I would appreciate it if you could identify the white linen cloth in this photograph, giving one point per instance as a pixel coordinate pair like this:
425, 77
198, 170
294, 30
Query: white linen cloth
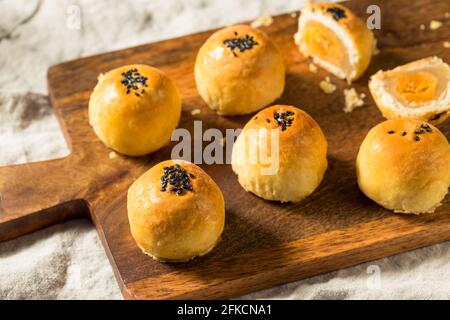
67, 261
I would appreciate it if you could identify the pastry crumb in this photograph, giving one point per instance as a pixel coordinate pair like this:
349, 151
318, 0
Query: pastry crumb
263, 21
113, 155
446, 44
312, 68
353, 100
297, 38
294, 15
435, 24
327, 86
195, 112
422, 27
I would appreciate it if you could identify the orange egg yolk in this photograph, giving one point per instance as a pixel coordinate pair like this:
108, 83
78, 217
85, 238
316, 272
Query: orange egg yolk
417, 87
323, 43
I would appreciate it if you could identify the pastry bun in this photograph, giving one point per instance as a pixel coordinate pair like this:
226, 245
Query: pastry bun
134, 109
239, 70
404, 165
281, 154
176, 211
336, 39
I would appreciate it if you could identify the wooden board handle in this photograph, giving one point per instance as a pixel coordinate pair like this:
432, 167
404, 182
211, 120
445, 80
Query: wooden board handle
36, 195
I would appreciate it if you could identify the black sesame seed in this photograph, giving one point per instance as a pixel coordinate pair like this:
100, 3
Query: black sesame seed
423, 128
391, 132
426, 127
133, 80
417, 138
337, 13
178, 178
404, 133
268, 120
284, 119
242, 44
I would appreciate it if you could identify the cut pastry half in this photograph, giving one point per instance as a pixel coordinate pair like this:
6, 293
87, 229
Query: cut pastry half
418, 90
335, 39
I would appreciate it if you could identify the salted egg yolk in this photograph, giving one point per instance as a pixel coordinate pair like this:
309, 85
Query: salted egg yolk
324, 44
416, 87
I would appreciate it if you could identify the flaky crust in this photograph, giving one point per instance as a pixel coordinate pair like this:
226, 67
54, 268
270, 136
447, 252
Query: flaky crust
130, 124
242, 82
401, 172
302, 156
361, 37
175, 228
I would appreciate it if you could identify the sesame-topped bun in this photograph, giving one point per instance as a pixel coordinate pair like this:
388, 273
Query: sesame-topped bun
281, 154
176, 211
336, 39
404, 165
239, 70
134, 109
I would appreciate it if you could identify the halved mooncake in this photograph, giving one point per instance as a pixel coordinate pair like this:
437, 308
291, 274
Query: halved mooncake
336, 39
419, 90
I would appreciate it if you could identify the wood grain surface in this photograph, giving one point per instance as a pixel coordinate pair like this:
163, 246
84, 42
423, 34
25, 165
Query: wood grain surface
264, 243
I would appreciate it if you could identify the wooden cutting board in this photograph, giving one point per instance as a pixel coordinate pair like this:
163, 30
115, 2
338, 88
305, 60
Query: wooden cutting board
264, 243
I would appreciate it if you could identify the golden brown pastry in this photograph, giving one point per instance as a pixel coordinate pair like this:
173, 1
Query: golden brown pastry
419, 90
239, 70
176, 211
404, 165
281, 154
336, 39
134, 109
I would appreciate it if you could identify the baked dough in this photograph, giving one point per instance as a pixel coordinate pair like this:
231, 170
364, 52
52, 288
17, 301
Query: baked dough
134, 109
176, 211
336, 39
280, 154
404, 165
239, 70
